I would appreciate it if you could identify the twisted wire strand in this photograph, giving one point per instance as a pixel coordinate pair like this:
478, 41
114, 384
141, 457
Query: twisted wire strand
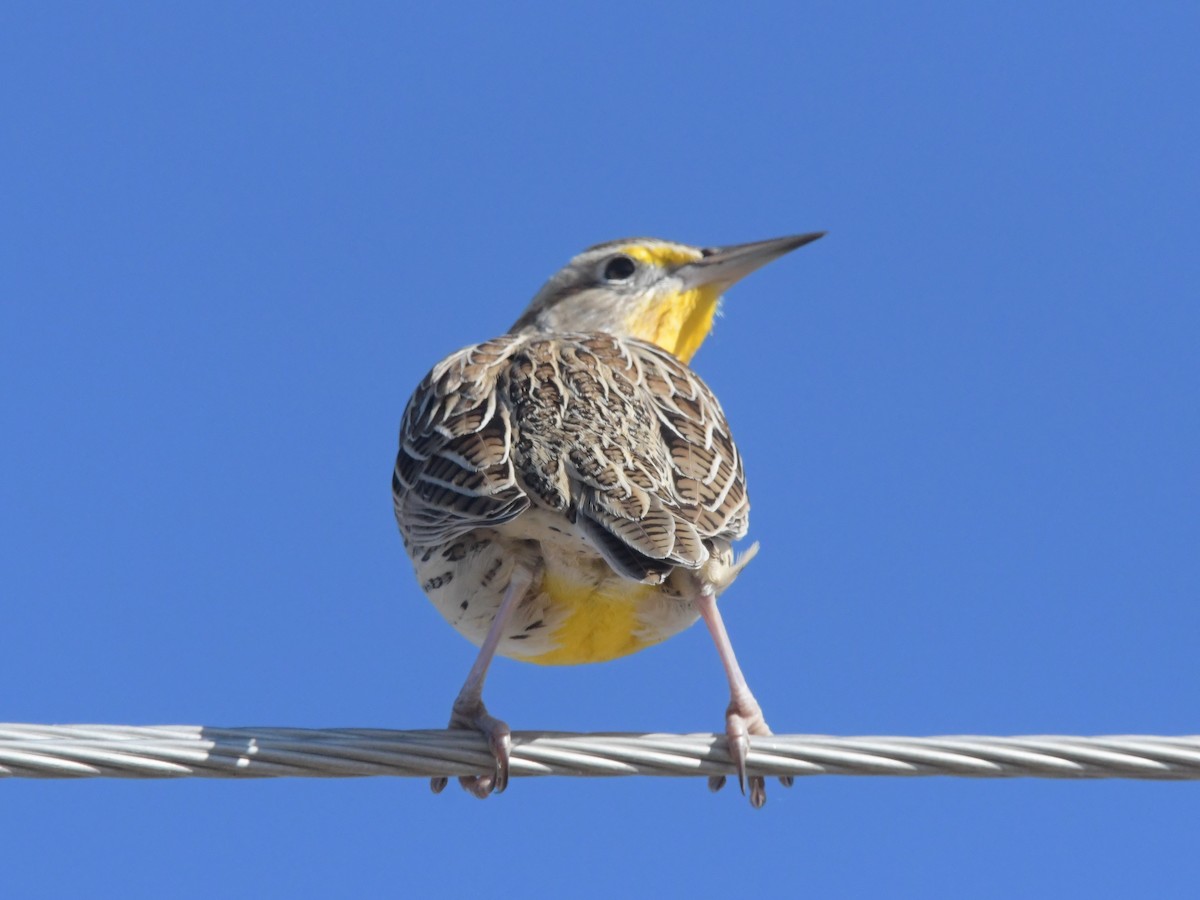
180, 751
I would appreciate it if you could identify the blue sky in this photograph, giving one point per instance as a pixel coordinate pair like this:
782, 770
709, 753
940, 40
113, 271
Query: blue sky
232, 240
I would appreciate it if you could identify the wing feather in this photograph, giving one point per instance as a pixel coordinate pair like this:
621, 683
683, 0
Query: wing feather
616, 435
454, 471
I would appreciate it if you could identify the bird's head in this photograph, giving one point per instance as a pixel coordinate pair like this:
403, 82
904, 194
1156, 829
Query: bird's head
657, 291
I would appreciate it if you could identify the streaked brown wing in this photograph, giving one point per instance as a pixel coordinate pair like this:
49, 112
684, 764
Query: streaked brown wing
707, 471
618, 437
628, 443
455, 470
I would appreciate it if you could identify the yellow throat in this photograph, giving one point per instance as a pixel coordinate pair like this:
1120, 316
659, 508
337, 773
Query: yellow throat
678, 322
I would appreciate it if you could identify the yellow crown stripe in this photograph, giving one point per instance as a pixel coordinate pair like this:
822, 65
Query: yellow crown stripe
665, 255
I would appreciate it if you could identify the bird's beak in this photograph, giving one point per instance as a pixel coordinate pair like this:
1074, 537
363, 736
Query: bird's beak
723, 266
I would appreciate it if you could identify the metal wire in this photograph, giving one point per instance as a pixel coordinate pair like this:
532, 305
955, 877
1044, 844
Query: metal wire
180, 751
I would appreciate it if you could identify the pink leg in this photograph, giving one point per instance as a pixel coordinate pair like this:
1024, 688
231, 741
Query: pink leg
470, 714
744, 716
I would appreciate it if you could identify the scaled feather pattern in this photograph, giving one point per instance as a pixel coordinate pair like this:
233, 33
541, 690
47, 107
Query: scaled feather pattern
614, 434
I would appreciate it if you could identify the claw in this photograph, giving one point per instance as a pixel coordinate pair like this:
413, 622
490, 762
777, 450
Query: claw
500, 742
473, 716
758, 791
742, 719
739, 749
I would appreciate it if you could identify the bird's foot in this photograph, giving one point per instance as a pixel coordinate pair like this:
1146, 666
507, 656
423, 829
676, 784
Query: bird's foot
472, 715
742, 719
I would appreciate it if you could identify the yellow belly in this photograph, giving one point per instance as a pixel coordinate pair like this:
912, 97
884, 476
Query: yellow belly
598, 622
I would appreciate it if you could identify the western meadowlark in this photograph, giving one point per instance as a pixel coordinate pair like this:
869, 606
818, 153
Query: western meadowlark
569, 492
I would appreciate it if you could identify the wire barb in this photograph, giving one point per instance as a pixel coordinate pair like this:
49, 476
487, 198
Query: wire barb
180, 751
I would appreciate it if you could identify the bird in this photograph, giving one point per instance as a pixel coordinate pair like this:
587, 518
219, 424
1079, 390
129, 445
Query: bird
569, 492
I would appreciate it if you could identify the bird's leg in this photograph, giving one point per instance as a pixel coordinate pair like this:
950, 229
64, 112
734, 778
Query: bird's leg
470, 714
744, 716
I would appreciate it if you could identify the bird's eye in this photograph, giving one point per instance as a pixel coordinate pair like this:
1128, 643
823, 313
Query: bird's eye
618, 268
